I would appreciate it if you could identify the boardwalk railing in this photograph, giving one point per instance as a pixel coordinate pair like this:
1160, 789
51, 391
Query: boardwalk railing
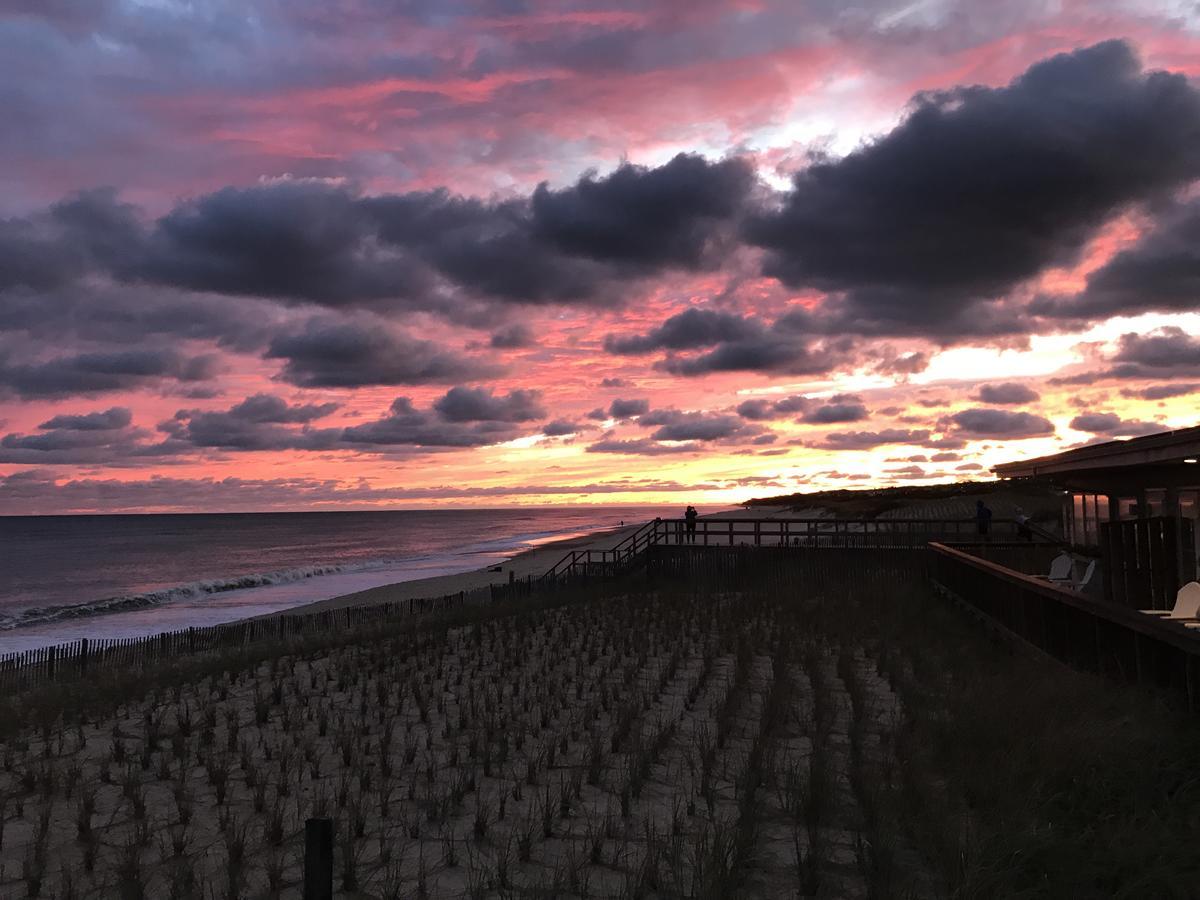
1083, 631
909, 534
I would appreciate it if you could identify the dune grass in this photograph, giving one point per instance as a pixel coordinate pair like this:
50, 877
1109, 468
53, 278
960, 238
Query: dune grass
793, 737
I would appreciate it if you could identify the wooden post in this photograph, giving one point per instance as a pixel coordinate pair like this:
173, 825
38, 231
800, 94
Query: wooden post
318, 859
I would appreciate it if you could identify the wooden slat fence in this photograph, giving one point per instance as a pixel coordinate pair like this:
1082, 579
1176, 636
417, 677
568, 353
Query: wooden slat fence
25, 669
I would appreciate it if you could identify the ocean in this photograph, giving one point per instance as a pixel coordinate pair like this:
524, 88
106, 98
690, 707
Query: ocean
67, 577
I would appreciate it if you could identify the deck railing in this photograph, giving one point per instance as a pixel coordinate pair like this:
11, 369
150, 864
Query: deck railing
1084, 631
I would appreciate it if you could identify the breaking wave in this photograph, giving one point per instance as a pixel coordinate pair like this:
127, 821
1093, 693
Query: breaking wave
196, 590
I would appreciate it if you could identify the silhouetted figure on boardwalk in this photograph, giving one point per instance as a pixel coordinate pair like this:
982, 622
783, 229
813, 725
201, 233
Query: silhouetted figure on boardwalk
983, 518
1023, 530
689, 517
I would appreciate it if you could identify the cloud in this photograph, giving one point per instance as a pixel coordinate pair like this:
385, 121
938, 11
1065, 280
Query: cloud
463, 417
562, 428
97, 438
640, 447
107, 420
1159, 273
80, 233
513, 337
689, 330
845, 409
902, 364
998, 423
290, 239
346, 354
866, 440
260, 422
100, 372
1009, 392
979, 189
1161, 391
38, 491
613, 383
739, 344
463, 404
834, 410
675, 215
307, 240
1167, 352
1110, 423
677, 425
627, 409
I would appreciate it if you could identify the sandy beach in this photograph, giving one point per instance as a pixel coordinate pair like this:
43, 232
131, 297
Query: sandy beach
534, 562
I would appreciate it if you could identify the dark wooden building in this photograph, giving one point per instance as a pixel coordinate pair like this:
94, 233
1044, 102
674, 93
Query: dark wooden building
1135, 504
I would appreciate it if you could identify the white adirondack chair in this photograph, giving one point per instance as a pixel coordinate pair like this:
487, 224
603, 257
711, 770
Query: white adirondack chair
1186, 608
1060, 569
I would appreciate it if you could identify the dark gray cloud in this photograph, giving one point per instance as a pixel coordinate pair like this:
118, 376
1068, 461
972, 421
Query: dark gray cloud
627, 409
1160, 272
678, 425
813, 411
1168, 352
998, 423
689, 330
309, 240
1008, 392
344, 354
463, 417
103, 420
268, 408
99, 372
1161, 391
979, 189
739, 344
260, 422
513, 337
562, 428
1112, 424
613, 383
847, 408
676, 215
463, 404
866, 440
295, 240
104, 437
83, 232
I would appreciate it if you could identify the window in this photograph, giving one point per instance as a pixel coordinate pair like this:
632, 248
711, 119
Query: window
1126, 508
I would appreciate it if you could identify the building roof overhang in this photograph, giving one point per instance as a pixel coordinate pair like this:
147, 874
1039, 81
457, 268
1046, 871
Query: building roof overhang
1165, 448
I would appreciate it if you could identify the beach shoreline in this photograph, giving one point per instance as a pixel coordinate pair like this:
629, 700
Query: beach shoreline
534, 562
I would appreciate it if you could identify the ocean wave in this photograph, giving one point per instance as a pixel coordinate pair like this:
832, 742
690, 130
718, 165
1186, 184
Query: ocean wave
196, 590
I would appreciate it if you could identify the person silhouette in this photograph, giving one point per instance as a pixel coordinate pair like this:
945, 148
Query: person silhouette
983, 518
689, 516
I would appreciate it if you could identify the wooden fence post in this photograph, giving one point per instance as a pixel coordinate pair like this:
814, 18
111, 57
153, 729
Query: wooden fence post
318, 859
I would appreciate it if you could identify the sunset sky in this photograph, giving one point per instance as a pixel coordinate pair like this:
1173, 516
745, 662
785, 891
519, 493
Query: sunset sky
362, 254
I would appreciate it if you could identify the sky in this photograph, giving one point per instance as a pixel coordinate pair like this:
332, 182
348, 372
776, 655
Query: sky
355, 254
